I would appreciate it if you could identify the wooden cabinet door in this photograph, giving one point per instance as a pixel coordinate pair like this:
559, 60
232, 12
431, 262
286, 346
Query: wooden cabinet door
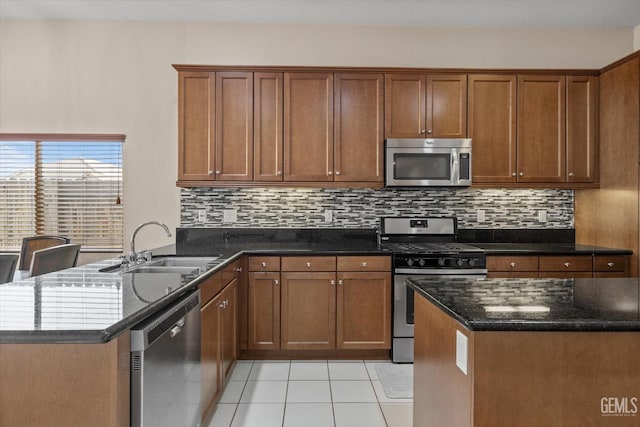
359, 139
541, 129
267, 126
229, 334
404, 105
210, 354
582, 135
264, 311
363, 310
308, 311
492, 127
234, 126
446, 106
308, 127
196, 107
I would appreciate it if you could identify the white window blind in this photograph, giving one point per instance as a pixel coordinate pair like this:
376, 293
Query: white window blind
69, 188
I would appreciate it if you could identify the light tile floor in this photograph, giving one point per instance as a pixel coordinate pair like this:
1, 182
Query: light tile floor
309, 394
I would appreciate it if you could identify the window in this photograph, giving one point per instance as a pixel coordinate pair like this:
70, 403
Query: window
67, 185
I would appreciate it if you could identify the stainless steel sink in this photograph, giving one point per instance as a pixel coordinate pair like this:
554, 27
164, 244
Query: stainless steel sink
181, 261
145, 268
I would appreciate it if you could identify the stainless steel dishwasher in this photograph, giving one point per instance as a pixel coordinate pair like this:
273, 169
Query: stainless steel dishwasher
165, 367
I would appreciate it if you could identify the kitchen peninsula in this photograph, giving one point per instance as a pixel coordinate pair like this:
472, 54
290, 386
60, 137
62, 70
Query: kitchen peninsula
527, 352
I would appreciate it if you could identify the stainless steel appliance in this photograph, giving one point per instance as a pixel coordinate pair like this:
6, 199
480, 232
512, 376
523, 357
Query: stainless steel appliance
415, 162
423, 247
165, 367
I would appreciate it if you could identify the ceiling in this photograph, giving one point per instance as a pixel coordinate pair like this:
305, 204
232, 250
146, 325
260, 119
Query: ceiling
545, 13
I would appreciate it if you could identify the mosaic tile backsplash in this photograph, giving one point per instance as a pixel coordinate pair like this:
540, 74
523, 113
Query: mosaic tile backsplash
362, 208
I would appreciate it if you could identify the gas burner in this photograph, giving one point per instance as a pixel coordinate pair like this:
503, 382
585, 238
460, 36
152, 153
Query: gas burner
431, 248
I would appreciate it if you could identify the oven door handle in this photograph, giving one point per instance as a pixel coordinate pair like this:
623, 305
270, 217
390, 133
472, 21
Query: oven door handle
442, 272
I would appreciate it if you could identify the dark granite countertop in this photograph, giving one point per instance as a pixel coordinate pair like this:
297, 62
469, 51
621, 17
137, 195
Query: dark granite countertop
547, 249
537, 304
82, 305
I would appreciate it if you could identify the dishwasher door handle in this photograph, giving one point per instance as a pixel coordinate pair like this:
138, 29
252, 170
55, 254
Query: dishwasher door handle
177, 328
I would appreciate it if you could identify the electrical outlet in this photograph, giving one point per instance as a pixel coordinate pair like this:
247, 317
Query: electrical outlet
542, 216
328, 215
480, 215
229, 215
202, 215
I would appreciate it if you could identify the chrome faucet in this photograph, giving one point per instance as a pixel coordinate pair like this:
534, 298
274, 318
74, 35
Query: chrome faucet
133, 256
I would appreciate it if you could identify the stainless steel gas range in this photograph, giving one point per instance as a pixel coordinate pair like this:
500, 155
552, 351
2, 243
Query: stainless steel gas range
423, 247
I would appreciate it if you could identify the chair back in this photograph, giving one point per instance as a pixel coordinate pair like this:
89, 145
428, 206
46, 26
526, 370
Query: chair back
35, 243
54, 259
8, 263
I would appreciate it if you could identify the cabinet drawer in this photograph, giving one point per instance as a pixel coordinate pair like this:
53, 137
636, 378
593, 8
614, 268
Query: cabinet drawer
209, 288
264, 263
512, 263
605, 263
364, 263
308, 263
566, 263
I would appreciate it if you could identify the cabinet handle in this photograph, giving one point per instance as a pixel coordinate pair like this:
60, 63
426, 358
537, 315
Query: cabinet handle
263, 264
571, 173
217, 172
429, 131
567, 264
340, 282
514, 174
423, 131
221, 305
279, 173
364, 265
308, 265
610, 264
521, 174
210, 172
329, 173
337, 172
276, 282
513, 264
333, 282
239, 269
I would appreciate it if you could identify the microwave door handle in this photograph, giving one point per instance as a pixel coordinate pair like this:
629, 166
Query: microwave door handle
454, 166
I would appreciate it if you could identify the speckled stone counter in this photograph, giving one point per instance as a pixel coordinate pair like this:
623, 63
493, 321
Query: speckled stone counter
537, 304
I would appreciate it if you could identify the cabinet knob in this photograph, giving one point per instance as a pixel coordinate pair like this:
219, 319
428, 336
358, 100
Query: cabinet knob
239, 269
571, 174
333, 282
279, 173
340, 282
567, 264
337, 172
512, 265
217, 172
276, 282
521, 174
429, 132
329, 173
210, 172
514, 174
610, 264
364, 265
308, 265
423, 131
263, 264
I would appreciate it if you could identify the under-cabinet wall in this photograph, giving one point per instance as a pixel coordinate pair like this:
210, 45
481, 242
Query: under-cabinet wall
362, 208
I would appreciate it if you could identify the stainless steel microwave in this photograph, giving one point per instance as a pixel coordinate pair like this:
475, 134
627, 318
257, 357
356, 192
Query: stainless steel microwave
437, 162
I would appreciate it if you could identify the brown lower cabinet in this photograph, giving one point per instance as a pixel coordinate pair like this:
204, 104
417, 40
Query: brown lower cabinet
319, 303
219, 336
558, 266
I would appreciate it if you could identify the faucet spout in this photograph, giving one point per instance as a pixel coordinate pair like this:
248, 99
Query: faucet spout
132, 255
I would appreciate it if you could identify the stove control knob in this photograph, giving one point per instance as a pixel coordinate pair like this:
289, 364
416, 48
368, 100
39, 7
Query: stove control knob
409, 262
472, 262
459, 262
421, 262
441, 262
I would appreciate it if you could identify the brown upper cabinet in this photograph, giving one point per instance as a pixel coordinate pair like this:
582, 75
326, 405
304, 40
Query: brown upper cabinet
215, 126
425, 106
492, 127
541, 153
308, 127
267, 126
582, 132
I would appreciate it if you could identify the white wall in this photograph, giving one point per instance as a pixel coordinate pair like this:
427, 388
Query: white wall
636, 38
116, 77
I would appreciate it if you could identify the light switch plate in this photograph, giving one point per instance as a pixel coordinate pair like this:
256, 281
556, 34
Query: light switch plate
229, 215
481, 216
202, 215
328, 215
461, 351
542, 216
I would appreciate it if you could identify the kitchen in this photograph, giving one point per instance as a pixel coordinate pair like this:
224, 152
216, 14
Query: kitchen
146, 112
